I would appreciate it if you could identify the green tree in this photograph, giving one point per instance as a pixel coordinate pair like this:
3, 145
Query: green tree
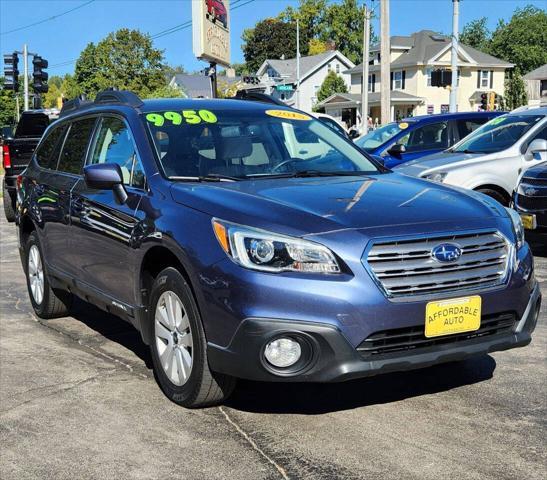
311, 17
125, 59
344, 27
270, 38
476, 34
515, 90
332, 84
523, 40
7, 106
165, 91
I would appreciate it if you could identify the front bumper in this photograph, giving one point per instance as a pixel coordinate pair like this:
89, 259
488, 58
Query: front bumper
335, 359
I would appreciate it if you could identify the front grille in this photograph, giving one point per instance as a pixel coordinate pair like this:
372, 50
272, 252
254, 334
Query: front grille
406, 267
413, 338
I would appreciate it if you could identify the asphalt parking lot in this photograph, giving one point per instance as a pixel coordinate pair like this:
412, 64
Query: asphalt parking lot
78, 400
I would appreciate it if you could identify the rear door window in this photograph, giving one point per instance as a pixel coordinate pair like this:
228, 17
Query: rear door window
75, 147
433, 136
47, 154
465, 127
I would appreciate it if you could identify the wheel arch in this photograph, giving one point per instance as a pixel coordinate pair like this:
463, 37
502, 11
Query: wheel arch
491, 186
155, 259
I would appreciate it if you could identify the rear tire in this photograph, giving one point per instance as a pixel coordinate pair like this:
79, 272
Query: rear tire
9, 204
495, 195
46, 301
179, 346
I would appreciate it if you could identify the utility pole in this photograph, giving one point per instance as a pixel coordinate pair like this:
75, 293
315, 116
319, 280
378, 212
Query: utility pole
385, 64
455, 38
25, 80
297, 63
364, 83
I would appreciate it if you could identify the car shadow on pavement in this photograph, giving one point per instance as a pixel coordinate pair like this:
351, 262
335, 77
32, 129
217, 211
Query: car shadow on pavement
315, 398
112, 328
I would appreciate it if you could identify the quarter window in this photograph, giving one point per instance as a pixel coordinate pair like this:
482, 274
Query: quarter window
114, 144
47, 155
75, 146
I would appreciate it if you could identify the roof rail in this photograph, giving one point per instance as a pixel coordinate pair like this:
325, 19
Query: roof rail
123, 97
258, 97
76, 103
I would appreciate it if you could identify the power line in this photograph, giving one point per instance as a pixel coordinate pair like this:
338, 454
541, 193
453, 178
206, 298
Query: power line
47, 19
176, 28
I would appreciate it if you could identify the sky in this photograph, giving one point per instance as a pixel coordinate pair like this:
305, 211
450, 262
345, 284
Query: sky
61, 39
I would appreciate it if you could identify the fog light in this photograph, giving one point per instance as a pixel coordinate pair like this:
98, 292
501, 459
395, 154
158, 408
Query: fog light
283, 352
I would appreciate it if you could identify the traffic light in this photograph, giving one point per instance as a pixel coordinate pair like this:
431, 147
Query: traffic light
484, 101
491, 101
11, 72
39, 77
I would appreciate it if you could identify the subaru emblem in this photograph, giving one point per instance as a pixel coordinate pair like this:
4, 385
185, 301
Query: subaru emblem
446, 252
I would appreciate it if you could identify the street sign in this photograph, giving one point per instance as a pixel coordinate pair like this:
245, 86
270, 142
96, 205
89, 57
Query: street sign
211, 30
284, 88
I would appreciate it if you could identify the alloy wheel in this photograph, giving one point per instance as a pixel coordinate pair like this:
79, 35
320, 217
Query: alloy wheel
173, 338
36, 274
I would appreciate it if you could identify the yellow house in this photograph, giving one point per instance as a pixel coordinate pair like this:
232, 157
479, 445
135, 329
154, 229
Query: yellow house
413, 58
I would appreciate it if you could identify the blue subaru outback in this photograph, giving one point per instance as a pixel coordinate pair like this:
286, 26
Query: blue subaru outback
249, 240
417, 137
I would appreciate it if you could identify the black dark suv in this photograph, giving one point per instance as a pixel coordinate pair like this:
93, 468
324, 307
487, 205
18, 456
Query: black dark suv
245, 239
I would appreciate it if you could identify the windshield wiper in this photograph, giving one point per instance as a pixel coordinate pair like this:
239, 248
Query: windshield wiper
210, 177
307, 173
468, 151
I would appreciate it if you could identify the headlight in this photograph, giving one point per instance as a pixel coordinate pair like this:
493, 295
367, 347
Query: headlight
518, 228
436, 177
270, 252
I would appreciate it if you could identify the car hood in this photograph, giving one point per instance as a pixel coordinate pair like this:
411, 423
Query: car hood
537, 172
301, 206
439, 160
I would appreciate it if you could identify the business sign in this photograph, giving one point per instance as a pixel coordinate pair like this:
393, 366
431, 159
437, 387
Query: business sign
445, 108
211, 30
430, 109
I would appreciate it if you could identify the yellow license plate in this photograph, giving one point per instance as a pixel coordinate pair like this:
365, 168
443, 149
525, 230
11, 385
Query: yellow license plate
452, 316
528, 221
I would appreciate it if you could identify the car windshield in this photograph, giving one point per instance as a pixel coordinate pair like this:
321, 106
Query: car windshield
498, 134
378, 137
235, 143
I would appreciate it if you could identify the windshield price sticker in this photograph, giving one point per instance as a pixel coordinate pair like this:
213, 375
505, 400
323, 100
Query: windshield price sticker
403, 125
191, 117
286, 114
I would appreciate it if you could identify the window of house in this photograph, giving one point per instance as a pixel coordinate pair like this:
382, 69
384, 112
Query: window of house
428, 76
328, 67
398, 80
485, 78
371, 81
114, 144
337, 68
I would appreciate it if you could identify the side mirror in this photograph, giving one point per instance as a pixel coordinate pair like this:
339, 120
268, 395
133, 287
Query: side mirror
535, 149
396, 150
353, 134
106, 176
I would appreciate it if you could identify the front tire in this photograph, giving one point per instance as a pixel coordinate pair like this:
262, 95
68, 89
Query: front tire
46, 302
179, 347
495, 195
9, 204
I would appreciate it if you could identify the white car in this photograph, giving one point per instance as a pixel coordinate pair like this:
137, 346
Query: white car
491, 158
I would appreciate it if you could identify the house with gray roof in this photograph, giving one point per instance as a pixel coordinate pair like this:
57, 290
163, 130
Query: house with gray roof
412, 59
199, 86
278, 77
536, 85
